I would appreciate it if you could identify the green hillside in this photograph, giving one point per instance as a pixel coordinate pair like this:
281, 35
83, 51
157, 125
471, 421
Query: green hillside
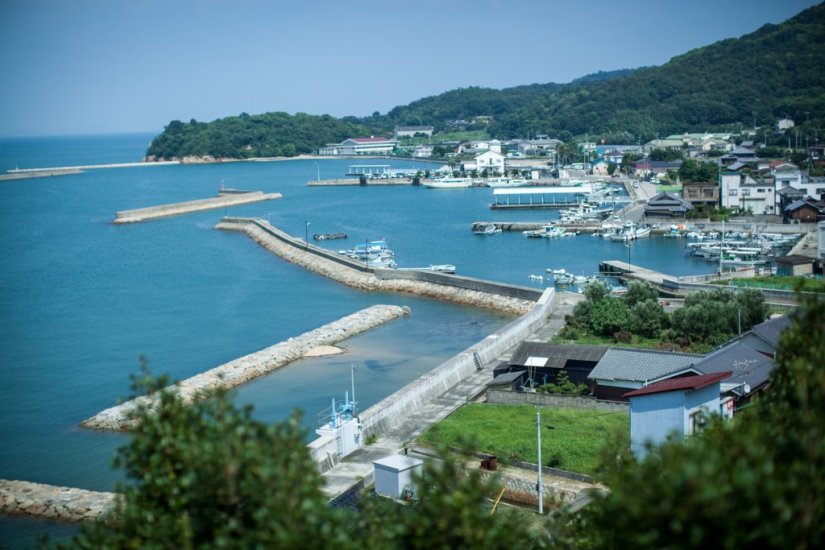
773, 72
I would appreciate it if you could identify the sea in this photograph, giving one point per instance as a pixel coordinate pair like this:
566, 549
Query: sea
82, 299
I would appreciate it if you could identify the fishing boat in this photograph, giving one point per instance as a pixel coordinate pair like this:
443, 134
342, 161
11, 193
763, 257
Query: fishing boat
448, 183
506, 182
641, 232
373, 254
486, 229
673, 232
627, 233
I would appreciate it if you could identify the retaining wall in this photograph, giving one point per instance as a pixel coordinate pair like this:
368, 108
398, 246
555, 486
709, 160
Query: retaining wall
251, 366
392, 410
504, 397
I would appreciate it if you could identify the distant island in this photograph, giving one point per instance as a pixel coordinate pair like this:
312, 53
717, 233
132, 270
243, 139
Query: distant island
751, 81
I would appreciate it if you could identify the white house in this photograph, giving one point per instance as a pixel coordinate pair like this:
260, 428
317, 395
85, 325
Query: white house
423, 151
491, 161
677, 406
739, 190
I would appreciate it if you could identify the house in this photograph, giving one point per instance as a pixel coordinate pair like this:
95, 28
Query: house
366, 146
676, 407
749, 370
787, 196
674, 144
542, 362
423, 151
667, 204
645, 168
743, 191
490, 161
412, 131
538, 147
820, 229
599, 168
475, 146
701, 193
764, 337
785, 175
625, 369
804, 210
792, 266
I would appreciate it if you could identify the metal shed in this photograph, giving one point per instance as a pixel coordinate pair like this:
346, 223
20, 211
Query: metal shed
394, 473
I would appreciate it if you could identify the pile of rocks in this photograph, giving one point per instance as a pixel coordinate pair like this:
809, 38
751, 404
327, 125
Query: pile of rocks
251, 366
52, 502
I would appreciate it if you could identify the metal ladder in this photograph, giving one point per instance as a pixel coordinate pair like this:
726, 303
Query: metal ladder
477, 361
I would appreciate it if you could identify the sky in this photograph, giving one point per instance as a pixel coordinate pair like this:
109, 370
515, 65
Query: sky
111, 66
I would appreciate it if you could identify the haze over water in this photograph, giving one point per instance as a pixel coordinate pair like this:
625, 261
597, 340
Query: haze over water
81, 299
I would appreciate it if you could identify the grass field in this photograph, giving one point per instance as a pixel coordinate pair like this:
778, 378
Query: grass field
509, 432
809, 284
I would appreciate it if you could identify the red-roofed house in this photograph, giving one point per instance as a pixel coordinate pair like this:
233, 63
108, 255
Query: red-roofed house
675, 406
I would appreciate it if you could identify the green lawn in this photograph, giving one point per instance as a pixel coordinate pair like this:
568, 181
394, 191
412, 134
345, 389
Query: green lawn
509, 432
809, 284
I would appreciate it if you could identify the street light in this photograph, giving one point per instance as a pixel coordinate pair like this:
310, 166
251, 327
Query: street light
306, 234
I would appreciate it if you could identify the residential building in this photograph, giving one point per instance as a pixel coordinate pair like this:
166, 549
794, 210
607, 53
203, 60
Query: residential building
749, 369
411, 131
423, 151
764, 337
740, 191
820, 229
701, 193
542, 362
490, 161
623, 369
674, 407
538, 147
648, 167
805, 210
674, 144
667, 204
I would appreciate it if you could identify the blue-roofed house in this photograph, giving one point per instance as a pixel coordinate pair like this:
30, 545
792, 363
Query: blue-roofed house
624, 369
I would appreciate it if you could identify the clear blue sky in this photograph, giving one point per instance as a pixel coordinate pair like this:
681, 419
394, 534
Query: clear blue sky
101, 66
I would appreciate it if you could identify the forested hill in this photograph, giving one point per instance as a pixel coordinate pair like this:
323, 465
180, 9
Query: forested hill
770, 73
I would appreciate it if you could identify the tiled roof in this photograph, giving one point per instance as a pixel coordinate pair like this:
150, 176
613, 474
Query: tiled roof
640, 365
557, 355
744, 364
686, 383
769, 330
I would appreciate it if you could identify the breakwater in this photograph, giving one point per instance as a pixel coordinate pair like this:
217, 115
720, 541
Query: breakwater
511, 299
24, 498
251, 366
224, 199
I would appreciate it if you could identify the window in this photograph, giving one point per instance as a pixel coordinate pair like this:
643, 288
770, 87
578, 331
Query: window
746, 192
696, 422
820, 190
761, 190
732, 192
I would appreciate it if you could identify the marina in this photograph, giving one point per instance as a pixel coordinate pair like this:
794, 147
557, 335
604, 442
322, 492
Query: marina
540, 197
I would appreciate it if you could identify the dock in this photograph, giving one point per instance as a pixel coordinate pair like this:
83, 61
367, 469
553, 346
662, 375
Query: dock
630, 271
225, 198
539, 197
369, 182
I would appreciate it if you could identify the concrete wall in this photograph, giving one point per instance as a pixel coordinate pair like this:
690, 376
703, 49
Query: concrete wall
163, 210
504, 397
392, 410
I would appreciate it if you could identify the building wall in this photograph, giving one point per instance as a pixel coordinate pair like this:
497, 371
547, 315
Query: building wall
653, 417
704, 400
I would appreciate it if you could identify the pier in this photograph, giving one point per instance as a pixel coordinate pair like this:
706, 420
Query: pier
225, 198
539, 197
248, 367
502, 297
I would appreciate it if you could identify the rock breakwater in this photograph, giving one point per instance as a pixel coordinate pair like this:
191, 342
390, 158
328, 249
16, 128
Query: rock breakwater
24, 498
305, 257
248, 367
223, 200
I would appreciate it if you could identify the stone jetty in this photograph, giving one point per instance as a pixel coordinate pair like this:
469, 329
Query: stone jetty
312, 258
24, 498
251, 366
224, 199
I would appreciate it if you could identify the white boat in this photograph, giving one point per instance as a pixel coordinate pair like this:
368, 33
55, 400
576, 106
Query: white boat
373, 254
564, 279
506, 182
627, 233
673, 232
442, 268
641, 232
448, 183
486, 229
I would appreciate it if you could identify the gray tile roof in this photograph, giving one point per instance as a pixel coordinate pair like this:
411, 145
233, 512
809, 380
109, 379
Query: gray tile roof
769, 330
640, 365
747, 365
557, 354
507, 378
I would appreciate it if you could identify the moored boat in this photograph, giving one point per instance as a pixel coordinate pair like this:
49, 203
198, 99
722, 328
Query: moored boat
448, 183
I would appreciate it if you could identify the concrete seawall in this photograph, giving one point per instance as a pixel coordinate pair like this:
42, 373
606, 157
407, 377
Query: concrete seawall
464, 290
392, 410
24, 498
251, 366
164, 210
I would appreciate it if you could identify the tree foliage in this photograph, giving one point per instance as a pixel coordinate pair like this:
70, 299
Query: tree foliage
752, 483
207, 475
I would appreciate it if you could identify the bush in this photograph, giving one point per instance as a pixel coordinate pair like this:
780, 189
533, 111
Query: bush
623, 336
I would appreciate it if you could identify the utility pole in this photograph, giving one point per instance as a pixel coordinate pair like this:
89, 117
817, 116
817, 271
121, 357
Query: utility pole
538, 437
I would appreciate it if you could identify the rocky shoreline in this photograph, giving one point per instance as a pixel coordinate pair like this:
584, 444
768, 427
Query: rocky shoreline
369, 281
248, 367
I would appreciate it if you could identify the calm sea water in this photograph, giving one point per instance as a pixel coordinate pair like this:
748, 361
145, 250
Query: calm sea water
81, 299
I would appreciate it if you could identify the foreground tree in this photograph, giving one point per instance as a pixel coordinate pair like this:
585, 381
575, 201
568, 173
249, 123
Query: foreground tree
756, 482
207, 475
